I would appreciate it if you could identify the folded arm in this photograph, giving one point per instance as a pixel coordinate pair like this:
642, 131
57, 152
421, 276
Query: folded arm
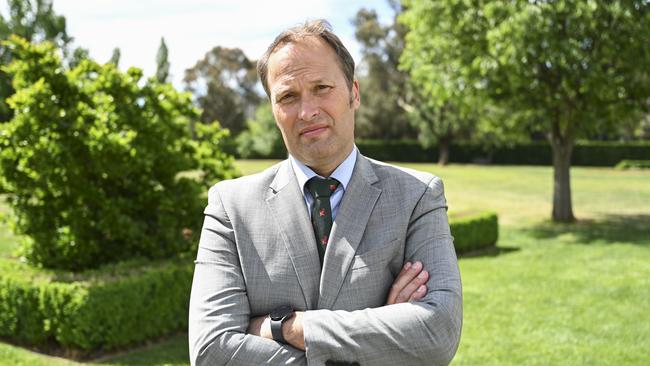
422, 332
408, 286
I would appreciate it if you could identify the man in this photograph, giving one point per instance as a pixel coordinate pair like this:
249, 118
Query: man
327, 257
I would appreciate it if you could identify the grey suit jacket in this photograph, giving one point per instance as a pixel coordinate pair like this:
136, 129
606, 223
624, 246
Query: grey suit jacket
257, 252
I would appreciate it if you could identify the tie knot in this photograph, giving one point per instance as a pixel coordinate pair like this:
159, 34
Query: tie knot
322, 187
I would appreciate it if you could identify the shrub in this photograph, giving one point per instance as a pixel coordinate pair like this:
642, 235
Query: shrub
474, 231
262, 138
633, 164
92, 159
115, 306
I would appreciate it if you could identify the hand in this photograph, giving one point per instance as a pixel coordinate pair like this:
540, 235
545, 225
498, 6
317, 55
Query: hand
409, 284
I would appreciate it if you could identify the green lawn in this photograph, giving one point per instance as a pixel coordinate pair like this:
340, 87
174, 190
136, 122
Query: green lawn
551, 295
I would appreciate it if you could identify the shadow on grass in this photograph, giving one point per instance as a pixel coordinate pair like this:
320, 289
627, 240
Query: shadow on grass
633, 229
492, 251
171, 351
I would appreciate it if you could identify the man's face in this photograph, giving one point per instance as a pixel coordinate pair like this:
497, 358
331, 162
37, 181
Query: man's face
312, 104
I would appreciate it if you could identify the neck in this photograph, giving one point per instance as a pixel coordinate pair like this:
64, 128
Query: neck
326, 169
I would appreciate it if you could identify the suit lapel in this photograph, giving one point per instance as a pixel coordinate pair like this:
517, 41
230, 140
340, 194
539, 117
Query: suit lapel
350, 223
285, 199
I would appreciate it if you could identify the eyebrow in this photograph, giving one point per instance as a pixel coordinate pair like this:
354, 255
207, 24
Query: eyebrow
322, 81
280, 92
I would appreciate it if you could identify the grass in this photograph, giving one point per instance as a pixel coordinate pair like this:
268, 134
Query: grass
551, 294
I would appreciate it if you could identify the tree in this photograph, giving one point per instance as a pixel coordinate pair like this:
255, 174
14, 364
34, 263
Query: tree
439, 122
382, 84
224, 85
34, 21
78, 55
394, 105
162, 62
262, 137
570, 66
93, 158
115, 57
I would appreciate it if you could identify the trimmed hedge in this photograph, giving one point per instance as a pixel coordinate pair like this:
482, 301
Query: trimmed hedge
127, 303
115, 306
474, 231
633, 164
585, 153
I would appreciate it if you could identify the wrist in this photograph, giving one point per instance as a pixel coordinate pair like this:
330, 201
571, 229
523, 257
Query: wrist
278, 318
292, 331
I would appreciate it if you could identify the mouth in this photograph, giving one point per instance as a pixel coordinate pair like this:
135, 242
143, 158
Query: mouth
312, 131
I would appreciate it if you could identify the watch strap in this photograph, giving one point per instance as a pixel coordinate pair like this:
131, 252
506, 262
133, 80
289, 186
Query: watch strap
276, 330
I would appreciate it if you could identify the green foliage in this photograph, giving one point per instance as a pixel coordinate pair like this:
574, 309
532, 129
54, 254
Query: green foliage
162, 62
474, 231
92, 160
32, 20
633, 164
224, 85
211, 152
114, 306
382, 85
577, 66
115, 57
262, 138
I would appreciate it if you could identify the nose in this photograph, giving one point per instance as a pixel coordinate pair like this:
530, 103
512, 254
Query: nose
309, 108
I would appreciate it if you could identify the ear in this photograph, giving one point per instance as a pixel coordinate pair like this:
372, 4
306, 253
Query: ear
355, 98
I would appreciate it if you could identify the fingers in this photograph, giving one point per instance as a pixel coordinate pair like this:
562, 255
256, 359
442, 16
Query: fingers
409, 284
421, 290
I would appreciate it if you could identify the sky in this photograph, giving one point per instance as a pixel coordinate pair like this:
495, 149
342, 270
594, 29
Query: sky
193, 27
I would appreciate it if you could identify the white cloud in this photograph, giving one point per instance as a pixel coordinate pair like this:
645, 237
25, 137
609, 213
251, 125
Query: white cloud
193, 27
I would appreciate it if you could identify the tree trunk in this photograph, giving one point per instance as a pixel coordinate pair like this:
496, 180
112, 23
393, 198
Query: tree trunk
443, 151
562, 205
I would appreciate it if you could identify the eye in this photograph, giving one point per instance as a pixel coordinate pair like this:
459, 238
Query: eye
323, 88
286, 98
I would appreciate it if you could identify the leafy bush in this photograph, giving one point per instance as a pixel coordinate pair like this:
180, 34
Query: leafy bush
633, 164
474, 231
92, 159
262, 138
115, 306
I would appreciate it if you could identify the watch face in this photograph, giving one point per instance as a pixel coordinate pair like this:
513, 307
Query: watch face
281, 312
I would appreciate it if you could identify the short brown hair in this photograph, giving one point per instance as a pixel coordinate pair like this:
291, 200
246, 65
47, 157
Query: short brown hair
314, 28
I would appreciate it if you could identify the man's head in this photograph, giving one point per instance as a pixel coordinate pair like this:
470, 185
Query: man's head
309, 78
319, 29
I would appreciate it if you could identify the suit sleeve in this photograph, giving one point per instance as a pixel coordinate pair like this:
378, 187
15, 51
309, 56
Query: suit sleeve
426, 332
219, 310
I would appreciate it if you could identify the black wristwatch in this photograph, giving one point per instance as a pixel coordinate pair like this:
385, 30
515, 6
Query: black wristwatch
278, 317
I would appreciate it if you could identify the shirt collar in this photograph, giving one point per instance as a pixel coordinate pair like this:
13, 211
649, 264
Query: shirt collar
342, 173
